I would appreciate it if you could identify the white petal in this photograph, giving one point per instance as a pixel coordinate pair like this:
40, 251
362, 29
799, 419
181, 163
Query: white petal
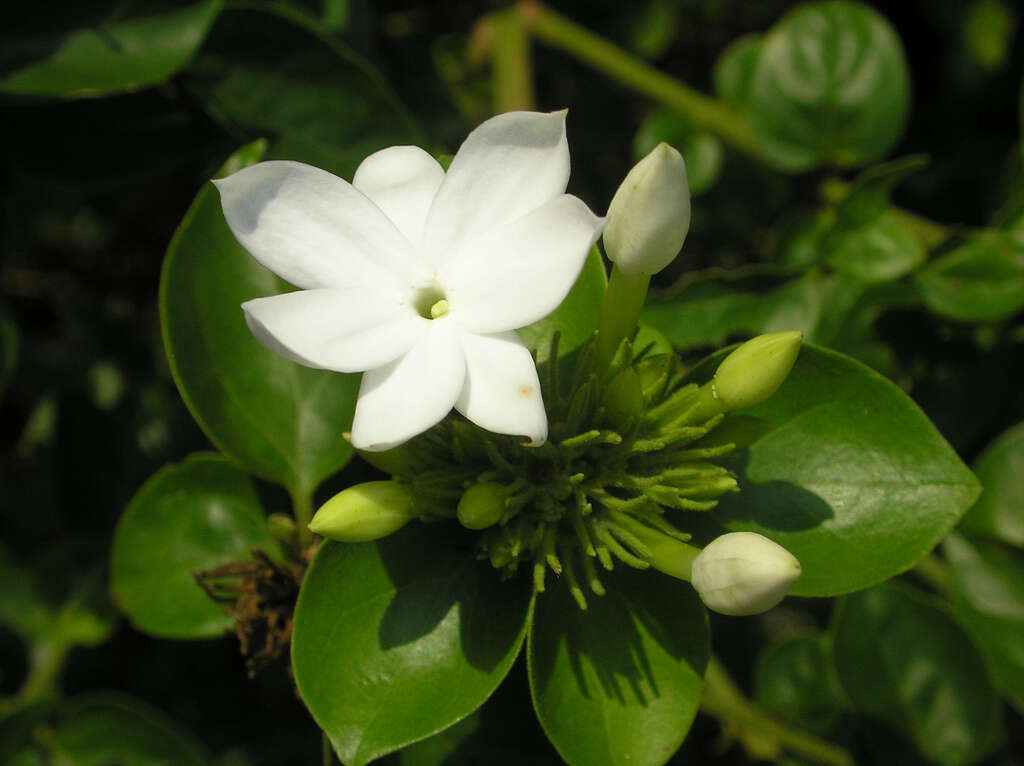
502, 393
402, 181
335, 329
313, 229
409, 395
520, 272
508, 166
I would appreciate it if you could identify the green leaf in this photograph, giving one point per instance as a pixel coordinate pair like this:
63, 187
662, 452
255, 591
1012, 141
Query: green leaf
796, 679
854, 480
114, 56
869, 196
880, 251
278, 420
734, 70
988, 600
22, 606
830, 85
999, 512
801, 243
399, 639
187, 518
701, 150
437, 750
576, 317
980, 281
905, 661
620, 682
101, 730
274, 72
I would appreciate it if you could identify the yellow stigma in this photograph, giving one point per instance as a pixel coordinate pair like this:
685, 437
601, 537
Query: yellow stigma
439, 309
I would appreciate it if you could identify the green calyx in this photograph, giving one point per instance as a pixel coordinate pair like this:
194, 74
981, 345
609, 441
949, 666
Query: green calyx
628, 457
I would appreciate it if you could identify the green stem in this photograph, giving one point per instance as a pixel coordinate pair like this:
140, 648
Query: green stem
46, 660
705, 112
326, 751
936, 573
512, 65
623, 300
302, 507
763, 737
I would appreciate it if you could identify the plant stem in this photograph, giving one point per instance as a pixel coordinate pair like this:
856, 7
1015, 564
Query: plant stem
705, 112
46, 660
512, 65
326, 751
935, 572
619, 311
302, 507
763, 736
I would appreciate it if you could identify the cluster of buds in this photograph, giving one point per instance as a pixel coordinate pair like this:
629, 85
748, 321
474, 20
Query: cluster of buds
629, 454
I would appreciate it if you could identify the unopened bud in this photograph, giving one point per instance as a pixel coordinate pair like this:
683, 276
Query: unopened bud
743, 573
482, 505
365, 512
649, 214
755, 370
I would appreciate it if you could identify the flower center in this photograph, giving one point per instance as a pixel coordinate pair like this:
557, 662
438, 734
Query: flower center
430, 302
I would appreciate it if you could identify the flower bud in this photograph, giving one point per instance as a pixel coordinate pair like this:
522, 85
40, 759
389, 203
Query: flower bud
365, 512
743, 573
755, 370
649, 214
482, 505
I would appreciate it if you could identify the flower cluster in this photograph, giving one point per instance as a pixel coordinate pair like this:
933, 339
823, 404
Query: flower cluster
418, 278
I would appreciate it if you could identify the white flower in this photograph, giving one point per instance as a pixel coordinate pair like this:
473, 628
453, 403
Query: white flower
417, 277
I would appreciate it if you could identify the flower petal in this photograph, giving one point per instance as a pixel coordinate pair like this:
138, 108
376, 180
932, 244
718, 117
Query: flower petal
313, 229
412, 393
335, 329
520, 272
508, 166
402, 181
502, 392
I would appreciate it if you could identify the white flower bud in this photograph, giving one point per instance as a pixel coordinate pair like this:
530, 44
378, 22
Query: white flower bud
365, 512
755, 370
743, 573
649, 214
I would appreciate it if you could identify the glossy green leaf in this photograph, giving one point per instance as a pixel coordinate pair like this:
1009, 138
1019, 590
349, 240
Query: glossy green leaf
854, 480
701, 151
830, 85
396, 640
187, 518
278, 420
830, 310
902, 659
980, 281
801, 243
114, 56
868, 197
796, 678
276, 73
102, 730
620, 682
576, 318
880, 251
988, 600
999, 512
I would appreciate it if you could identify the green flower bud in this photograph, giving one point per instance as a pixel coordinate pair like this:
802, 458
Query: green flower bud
755, 370
649, 214
482, 505
365, 512
743, 573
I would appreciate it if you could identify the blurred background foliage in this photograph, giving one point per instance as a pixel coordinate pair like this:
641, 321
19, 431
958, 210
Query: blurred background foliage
102, 154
